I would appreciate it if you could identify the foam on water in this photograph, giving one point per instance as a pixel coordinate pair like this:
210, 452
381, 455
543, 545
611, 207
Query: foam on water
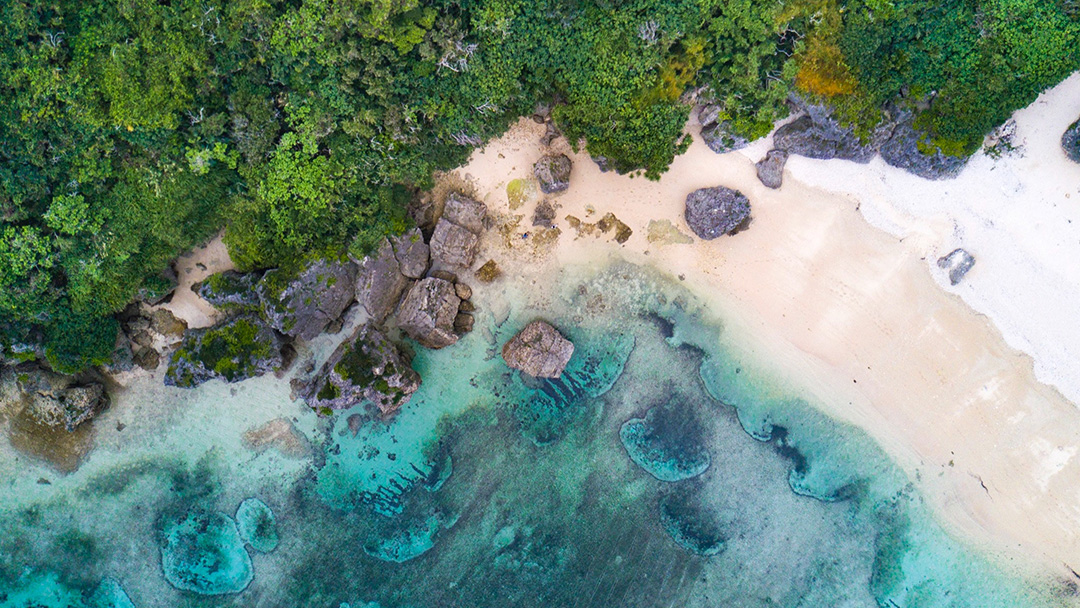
494, 489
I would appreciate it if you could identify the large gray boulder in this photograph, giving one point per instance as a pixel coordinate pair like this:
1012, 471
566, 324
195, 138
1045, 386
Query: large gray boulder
237, 349
382, 282
1070, 142
365, 367
51, 399
428, 311
301, 303
712, 212
553, 172
770, 170
412, 253
453, 245
465, 212
538, 350
905, 150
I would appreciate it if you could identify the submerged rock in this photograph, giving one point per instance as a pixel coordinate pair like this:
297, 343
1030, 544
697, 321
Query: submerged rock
235, 350
230, 291
110, 594
428, 311
365, 367
301, 303
1070, 142
958, 263
553, 172
382, 282
538, 350
204, 554
770, 170
666, 443
48, 398
279, 434
488, 272
256, 525
712, 212
690, 524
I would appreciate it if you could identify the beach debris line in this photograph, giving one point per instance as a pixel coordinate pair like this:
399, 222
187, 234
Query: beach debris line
538, 350
712, 212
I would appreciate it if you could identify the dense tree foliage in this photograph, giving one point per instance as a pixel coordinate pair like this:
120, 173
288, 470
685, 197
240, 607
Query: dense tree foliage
133, 129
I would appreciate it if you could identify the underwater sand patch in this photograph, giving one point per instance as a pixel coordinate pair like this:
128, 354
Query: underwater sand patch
278, 434
57, 448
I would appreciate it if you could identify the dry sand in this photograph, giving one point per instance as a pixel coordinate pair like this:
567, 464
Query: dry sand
191, 268
854, 316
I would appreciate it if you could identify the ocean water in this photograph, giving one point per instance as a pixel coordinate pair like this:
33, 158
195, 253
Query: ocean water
662, 469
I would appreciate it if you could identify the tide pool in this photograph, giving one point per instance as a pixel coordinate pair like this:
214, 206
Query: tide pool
662, 469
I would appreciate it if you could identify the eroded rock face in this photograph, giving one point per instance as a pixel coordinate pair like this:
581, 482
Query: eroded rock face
553, 173
958, 263
1070, 142
428, 311
366, 367
770, 170
712, 212
902, 150
412, 253
823, 140
302, 303
538, 350
465, 212
453, 245
234, 350
719, 134
51, 399
382, 282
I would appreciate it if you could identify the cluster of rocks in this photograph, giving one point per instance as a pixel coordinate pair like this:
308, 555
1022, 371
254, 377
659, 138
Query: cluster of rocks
1070, 142
48, 398
144, 332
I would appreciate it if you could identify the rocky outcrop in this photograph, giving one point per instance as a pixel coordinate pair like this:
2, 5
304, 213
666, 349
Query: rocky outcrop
770, 170
719, 134
366, 367
51, 399
957, 263
412, 253
230, 291
538, 350
712, 212
908, 149
235, 350
456, 240
823, 139
1070, 142
428, 311
146, 330
301, 303
382, 282
553, 173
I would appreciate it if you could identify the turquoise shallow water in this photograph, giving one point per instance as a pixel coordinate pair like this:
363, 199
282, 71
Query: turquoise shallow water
662, 469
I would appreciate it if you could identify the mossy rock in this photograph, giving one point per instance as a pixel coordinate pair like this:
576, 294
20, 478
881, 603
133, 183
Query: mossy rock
301, 301
231, 291
235, 350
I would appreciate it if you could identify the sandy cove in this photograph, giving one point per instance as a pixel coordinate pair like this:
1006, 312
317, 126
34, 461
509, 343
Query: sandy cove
853, 316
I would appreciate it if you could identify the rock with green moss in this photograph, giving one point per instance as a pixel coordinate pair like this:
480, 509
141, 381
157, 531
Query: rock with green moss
367, 367
412, 253
230, 291
302, 302
235, 350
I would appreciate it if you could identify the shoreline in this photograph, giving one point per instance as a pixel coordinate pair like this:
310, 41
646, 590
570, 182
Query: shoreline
834, 304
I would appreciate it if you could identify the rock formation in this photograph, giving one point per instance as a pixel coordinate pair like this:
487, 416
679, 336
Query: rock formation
412, 253
456, 240
234, 350
256, 525
538, 350
711, 212
770, 170
428, 311
958, 263
230, 291
51, 399
553, 173
718, 134
905, 149
301, 303
366, 367
382, 281
1070, 142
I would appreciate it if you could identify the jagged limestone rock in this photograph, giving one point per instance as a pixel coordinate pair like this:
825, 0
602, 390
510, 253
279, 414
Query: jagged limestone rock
553, 173
770, 170
958, 263
301, 303
234, 350
381, 282
428, 311
538, 350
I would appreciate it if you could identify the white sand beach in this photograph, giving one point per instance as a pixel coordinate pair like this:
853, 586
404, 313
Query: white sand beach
857, 315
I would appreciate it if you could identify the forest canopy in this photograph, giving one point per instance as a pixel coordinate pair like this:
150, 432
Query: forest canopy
131, 130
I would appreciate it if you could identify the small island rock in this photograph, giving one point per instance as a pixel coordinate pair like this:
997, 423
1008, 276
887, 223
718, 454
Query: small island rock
538, 350
51, 399
230, 291
234, 350
428, 311
712, 212
553, 173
